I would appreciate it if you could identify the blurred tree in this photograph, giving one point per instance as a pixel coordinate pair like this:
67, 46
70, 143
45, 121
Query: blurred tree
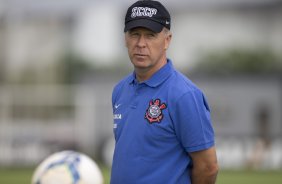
71, 67
240, 61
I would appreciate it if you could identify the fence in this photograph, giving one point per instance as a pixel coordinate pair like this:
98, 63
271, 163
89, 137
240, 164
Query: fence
36, 121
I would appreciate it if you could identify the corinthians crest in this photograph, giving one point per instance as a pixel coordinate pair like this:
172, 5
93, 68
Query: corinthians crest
154, 112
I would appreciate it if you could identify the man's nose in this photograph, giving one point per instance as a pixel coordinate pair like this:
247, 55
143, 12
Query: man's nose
141, 41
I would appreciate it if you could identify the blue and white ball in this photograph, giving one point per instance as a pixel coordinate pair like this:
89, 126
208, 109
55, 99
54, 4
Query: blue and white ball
67, 167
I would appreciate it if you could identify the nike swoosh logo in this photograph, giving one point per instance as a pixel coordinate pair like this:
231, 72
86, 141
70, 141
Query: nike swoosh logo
117, 106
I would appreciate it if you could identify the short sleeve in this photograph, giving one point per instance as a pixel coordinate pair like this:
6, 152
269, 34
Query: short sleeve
192, 121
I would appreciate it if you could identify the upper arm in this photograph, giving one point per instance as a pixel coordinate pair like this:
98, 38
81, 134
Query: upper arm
204, 160
192, 121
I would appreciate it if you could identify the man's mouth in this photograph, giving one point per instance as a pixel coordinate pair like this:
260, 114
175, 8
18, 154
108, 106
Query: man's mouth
140, 55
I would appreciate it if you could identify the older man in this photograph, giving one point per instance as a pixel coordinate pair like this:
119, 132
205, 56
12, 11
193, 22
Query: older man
162, 124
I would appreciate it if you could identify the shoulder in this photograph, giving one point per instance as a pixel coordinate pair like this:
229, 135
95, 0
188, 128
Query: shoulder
181, 85
184, 92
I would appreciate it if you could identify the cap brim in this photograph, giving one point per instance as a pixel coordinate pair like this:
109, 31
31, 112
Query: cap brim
149, 24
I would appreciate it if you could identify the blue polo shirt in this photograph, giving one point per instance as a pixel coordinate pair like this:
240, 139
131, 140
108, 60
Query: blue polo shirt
156, 124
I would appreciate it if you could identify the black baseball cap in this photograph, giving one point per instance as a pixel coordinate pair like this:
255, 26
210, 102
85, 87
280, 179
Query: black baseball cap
149, 14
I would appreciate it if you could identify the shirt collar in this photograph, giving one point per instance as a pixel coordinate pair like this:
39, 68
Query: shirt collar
157, 78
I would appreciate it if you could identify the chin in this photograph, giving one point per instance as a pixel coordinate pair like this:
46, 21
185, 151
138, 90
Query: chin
140, 63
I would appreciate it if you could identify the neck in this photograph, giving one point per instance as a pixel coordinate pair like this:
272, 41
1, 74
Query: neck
141, 76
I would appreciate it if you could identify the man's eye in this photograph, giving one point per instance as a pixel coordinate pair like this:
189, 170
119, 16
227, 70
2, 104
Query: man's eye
151, 35
134, 34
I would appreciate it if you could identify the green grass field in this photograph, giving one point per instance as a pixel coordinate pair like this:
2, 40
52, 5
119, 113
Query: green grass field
249, 177
23, 176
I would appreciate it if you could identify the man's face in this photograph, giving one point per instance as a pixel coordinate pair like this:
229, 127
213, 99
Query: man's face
146, 49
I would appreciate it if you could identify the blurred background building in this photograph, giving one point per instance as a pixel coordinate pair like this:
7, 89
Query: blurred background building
59, 61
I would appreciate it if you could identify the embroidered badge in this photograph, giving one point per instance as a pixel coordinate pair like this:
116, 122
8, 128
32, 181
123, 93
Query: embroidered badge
154, 112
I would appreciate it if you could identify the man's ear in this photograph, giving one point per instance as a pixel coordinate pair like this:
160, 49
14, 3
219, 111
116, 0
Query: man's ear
168, 40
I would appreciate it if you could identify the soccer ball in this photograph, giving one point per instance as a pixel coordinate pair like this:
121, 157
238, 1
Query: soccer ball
67, 167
